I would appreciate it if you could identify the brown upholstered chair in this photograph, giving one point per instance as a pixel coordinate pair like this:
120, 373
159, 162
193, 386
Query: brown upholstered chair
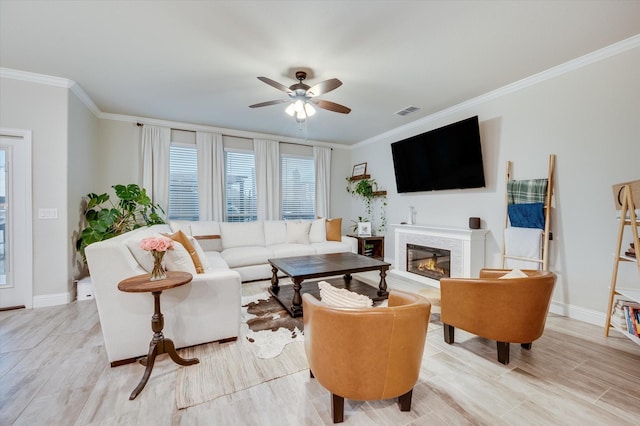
505, 310
366, 353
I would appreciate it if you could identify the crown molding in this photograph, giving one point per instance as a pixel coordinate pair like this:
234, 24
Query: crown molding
85, 99
49, 80
222, 130
36, 78
588, 59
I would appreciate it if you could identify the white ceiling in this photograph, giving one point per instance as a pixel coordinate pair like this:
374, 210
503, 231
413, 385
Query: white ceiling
197, 61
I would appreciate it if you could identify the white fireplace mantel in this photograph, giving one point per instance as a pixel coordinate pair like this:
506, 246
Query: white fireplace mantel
467, 248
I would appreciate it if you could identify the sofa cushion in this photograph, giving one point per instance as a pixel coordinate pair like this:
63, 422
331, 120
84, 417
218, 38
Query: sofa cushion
242, 234
207, 232
179, 259
298, 231
246, 255
291, 249
331, 247
183, 239
318, 231
215, 261
275, 232
341, 297
334, 229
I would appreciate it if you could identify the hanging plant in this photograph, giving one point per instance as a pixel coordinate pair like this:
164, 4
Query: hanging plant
367, 190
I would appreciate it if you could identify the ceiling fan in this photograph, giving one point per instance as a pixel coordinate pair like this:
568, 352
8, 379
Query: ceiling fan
302, 96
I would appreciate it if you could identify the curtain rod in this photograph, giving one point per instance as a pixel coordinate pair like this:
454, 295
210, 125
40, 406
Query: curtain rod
194, 131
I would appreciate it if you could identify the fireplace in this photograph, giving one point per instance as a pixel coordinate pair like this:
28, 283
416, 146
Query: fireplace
431, 262
460, 249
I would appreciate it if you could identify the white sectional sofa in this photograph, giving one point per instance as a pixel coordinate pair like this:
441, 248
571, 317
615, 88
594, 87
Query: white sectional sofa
205, 310
245, 247
208, 308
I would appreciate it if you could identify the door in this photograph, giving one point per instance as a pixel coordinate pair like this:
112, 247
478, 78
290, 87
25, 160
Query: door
16, 275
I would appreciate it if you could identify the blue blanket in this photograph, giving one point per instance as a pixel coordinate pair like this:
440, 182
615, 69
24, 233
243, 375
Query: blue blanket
529, 215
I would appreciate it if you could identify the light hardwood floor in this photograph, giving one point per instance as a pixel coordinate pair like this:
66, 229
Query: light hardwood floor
54, 371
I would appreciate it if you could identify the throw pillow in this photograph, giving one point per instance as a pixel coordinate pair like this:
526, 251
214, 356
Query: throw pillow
201, 253
514, 273
180, 237
341, 297
334, 229
298, 232
178, 259
318, 232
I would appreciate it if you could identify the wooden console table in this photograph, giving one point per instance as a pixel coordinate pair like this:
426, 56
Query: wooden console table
159, 344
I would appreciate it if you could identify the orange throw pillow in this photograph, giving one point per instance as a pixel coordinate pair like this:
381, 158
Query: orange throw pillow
334, 229
181, 238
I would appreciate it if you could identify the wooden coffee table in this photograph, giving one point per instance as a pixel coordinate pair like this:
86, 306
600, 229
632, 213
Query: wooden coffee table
300, 268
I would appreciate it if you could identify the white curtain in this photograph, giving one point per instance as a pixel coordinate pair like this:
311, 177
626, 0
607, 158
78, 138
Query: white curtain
210, 153
322, 163
267, 155
155, 163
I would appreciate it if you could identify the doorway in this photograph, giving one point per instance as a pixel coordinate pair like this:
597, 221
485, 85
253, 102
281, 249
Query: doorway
16, 262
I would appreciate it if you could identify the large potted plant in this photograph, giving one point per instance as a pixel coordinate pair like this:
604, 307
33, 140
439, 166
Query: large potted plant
106, 220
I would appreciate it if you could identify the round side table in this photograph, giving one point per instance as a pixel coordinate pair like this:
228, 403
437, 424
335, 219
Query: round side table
159, 344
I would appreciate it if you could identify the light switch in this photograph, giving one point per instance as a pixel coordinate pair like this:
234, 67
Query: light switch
50, 213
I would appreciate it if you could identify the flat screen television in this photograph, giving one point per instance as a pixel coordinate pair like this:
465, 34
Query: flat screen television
446, 158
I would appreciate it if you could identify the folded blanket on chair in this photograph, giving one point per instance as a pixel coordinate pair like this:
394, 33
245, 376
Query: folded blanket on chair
528, 215
527, 191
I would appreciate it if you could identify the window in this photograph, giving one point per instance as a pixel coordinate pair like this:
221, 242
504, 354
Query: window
240, 186
298, 187
183, 182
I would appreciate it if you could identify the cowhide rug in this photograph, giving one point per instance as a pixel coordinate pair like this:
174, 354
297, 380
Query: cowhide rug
270, 327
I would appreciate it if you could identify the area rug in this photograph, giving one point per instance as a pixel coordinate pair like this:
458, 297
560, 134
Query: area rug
270, 349
269, 326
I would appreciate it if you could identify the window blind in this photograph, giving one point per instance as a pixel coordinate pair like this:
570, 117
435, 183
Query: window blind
183, 182
298, 187
240, 186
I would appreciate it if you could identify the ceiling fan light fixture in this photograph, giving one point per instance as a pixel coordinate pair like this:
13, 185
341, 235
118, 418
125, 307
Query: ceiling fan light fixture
309, 109
291, 109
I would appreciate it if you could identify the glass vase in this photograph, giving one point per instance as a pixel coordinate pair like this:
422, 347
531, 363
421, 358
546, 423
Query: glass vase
158, 272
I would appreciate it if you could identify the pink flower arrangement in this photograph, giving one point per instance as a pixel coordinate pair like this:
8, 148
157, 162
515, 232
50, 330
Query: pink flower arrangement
156, 244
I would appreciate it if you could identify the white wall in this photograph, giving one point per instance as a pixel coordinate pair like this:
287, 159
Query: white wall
589, 118
82, 176
43, 109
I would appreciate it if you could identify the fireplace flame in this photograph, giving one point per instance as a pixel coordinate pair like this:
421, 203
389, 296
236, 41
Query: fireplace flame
430, 265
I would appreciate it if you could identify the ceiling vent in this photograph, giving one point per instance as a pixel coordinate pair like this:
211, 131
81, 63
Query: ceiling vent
408, 110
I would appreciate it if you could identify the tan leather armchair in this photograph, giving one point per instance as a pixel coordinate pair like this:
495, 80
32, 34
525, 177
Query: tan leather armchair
505, 310
366, 353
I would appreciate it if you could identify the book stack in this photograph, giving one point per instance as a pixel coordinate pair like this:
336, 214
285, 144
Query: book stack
368, 249
618, 317
631, 315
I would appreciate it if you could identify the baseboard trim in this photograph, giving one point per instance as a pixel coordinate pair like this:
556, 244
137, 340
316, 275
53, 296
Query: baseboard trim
578, 313
51, 300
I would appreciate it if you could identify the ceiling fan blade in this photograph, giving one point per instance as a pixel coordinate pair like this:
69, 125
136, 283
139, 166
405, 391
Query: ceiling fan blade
332, 106
263, 104
324, 87
275, 84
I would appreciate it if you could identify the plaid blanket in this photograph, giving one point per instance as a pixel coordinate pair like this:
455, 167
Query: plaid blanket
527, 191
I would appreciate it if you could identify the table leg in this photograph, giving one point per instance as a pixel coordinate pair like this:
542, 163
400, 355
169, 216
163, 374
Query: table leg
149, 361
296, 307
159, 345
347, 277
382, 288
274, 279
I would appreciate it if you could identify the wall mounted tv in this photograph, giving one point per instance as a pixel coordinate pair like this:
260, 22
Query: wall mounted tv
446, 158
